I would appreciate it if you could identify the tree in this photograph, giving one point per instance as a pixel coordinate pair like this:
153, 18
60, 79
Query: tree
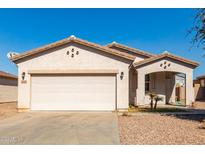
151, 95
157, 99
198, 30
154, 97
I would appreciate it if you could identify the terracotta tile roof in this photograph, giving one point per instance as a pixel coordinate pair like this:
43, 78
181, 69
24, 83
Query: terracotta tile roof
7, 75
201, 77
130, 49
165, 55
76, 40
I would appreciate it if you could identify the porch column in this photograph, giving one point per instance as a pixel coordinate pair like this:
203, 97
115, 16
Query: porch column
189, 89
140, 91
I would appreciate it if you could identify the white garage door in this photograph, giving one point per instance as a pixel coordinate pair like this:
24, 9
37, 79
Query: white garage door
73, 92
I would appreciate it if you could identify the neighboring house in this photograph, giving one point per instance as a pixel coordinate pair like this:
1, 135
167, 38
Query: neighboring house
74, 74
8, 87
199, 87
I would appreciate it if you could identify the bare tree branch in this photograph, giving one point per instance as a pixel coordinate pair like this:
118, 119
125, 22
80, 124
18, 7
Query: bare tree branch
199, 29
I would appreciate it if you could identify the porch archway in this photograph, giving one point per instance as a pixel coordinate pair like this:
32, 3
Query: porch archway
170, 86
164, 63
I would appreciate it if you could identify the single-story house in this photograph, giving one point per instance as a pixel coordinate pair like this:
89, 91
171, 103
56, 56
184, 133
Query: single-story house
199, 87
74, 74
8, 87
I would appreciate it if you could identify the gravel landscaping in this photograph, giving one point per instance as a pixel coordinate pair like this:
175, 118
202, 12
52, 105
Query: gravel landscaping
159, 129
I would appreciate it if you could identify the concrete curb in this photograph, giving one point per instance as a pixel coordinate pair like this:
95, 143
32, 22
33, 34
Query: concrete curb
160, 113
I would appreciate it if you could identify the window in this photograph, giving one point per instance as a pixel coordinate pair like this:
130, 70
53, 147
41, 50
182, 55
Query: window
147, 83
153, 77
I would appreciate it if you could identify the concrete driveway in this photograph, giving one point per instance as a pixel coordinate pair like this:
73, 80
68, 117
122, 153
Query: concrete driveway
60, 128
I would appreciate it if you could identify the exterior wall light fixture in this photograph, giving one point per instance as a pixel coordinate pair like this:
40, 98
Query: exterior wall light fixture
23, 76
121, 75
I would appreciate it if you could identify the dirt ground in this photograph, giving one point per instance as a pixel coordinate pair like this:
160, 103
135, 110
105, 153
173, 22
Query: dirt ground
7, 110
200, 105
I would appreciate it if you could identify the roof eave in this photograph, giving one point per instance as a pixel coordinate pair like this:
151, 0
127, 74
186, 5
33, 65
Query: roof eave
65, 41
134, 50
192, 63
201, 77
38, 50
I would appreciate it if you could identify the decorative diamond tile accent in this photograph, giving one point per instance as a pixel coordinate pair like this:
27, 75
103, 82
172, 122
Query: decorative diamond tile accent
165, 64
72, 53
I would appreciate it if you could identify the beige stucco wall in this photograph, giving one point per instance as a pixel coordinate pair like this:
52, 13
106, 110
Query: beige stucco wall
132, 86
88, 58
8, 90
155, 67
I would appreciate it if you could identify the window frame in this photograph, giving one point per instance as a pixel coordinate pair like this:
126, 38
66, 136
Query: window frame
147, 83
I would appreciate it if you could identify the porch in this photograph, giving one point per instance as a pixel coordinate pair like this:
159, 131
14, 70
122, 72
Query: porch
169, 86
165, 75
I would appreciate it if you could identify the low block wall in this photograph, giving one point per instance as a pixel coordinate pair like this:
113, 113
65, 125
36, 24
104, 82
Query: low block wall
8, 90
199, 92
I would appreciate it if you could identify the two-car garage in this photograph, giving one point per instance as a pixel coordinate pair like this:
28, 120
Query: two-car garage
73, 75
73, 91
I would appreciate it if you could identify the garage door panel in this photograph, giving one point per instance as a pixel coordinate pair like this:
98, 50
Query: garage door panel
73, 93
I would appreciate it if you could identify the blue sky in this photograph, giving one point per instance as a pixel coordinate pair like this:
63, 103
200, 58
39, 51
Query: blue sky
154, 30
